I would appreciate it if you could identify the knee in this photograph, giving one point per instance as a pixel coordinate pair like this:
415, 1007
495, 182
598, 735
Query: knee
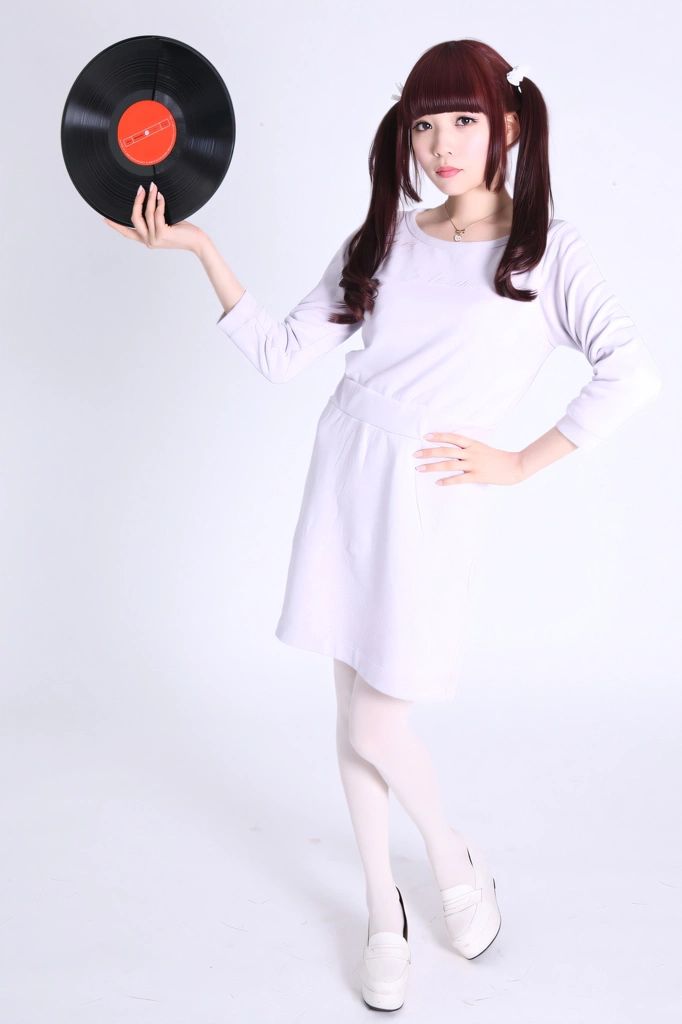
376, 723
361, 739
367, 737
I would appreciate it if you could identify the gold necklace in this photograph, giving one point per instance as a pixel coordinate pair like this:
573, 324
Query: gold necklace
460, 231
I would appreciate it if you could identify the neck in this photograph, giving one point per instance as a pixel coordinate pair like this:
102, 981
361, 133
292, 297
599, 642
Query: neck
475, 205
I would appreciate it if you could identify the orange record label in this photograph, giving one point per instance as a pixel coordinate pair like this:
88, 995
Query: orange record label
146, 132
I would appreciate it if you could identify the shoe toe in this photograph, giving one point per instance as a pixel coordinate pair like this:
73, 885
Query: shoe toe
385, 961
384, 968
469, 936
472, 916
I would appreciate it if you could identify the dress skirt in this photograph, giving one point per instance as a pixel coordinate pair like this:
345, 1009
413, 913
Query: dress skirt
382, 557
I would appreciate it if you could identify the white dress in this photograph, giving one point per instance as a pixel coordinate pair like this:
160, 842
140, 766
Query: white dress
382, 557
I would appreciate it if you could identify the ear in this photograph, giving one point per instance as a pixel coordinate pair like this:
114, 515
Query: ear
513, 127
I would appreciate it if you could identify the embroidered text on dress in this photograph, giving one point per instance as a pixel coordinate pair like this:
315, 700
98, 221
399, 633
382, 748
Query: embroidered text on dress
440, 279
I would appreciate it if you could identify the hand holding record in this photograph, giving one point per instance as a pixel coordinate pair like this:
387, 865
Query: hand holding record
151, 111
152, 230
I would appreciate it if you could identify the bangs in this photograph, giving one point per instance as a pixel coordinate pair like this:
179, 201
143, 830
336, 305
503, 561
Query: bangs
440, 86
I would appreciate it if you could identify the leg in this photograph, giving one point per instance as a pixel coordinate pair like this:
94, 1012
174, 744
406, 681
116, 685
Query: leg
380, 733
367, 798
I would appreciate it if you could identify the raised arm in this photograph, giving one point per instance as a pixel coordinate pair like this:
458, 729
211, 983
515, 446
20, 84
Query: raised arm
280, 350
581, 312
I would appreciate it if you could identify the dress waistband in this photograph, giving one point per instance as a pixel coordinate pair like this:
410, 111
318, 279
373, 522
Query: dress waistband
397, 417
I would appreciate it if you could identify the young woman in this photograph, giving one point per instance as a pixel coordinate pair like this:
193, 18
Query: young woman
460, 306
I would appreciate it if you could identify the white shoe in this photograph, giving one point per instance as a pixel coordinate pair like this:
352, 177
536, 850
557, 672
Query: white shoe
475, 937
385, 966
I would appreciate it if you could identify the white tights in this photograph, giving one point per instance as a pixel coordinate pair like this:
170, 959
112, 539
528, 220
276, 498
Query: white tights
378, 751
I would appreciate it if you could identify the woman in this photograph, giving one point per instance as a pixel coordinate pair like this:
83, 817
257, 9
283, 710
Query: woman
460, 306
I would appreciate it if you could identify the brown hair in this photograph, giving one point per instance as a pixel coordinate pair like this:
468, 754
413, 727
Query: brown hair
462, 74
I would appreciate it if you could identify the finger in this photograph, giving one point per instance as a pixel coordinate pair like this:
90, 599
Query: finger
460, 478
149, 214
439, 467
123, 230
429, 453
137, 218
452, 438
160, 215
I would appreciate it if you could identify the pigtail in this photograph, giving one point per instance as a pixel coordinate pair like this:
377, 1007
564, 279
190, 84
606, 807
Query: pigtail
371, 243
531, 215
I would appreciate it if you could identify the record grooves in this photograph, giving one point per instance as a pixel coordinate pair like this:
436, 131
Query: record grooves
145, 109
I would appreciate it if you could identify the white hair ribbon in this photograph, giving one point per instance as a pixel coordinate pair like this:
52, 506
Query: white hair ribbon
517, 74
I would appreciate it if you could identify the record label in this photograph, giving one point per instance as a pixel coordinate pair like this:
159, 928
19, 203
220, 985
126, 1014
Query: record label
146, 132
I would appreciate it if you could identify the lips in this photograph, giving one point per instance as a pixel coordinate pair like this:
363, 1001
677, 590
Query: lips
448, 172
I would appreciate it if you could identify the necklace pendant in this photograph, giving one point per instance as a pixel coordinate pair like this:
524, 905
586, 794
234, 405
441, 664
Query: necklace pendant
458, 237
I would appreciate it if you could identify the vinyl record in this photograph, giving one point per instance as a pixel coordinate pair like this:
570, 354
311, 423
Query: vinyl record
148, 109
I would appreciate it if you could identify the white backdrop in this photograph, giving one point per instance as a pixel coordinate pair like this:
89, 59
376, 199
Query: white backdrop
176, 844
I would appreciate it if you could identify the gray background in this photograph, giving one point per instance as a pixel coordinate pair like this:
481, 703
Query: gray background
175, 841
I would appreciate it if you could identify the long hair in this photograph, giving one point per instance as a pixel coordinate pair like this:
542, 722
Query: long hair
462, 74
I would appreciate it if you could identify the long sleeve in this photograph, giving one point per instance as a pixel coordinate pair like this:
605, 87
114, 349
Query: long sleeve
581, 312
281, 350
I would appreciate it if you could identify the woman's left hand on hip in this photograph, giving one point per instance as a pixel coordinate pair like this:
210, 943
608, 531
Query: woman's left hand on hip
479, 462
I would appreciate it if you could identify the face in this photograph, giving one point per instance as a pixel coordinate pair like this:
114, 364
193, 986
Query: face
458, 139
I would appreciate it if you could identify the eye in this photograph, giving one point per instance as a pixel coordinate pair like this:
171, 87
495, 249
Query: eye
462, 117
